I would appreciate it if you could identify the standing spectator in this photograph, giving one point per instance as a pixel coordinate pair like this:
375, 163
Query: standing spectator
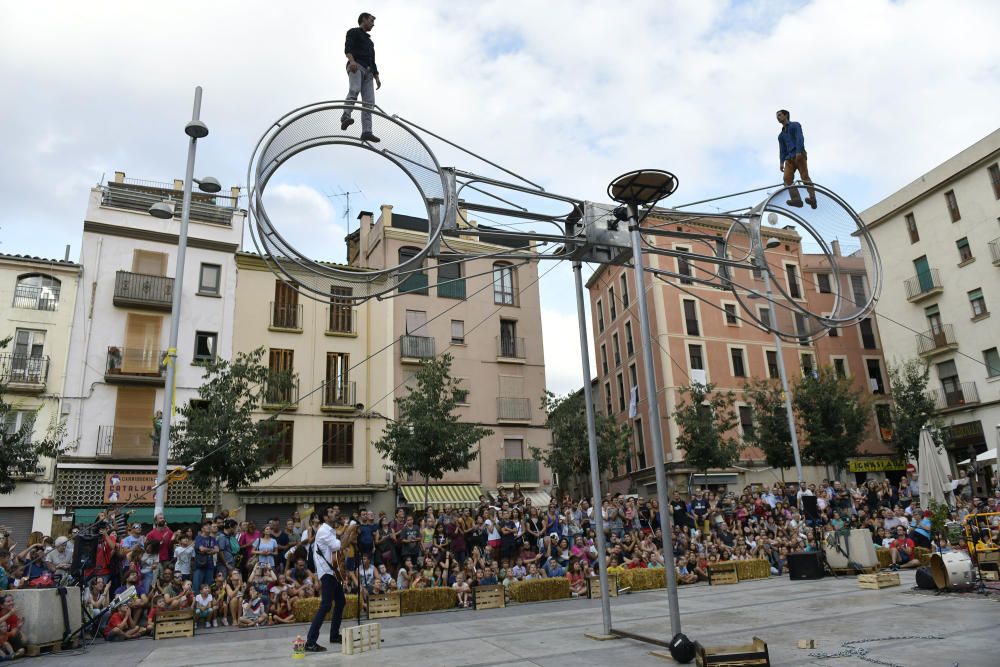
265, 548
246, 539
162, 536
107, 546
409, 539
134, 538
366, 534
228, 547
184, 557
282, 542
205, 548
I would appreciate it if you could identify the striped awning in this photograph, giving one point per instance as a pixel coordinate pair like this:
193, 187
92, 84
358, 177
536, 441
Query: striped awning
304, 498
442, 495
539, 499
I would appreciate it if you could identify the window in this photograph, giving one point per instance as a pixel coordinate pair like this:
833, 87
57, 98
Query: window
634, 377
730, 310
746, 422
756, 272
205, 346
15, 420
209, 279
449, 274
285, 310
739, 365
616, 349
621, 393
684, 266
338, 386
874, 368
37, 292
416, 321
694, 354
415, 281
640, 442
511, 346
612, 304
600, 316
823, 283
801, 328
883, 417
604, 359
458, 332
27, 363
691, 318
994, 171
772, 363
858, 290
808, 363
978, 303
513, 448
629, 346
952, 202
280, 452
952, 386
840, 367
992, 360
280, 361
341, 313
338, 443
792, 273
867, 334
607, 397
834, 332
964, 251
461, 395
624, 282
764, 314
911, 227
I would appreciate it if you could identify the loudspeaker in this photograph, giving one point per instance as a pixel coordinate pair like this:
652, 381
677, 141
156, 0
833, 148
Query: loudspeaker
925, 579
804, 565
84, 553
682, 649
810, 508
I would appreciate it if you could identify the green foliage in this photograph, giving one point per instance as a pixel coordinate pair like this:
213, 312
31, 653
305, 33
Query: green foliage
19, 451
569, 454
940, 515
833, 416
707, 420
428, 439
912, 408
219, 432
770, 431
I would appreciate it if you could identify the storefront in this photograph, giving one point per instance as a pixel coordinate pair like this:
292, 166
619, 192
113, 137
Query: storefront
877, 467
966, 442
262, 506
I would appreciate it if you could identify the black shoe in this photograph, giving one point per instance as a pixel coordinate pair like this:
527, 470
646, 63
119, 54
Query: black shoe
336, 640
371, 138
811, 201
797, 203
315, 648
346, 123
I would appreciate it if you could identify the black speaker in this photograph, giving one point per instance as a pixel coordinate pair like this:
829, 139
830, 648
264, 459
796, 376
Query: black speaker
681, 648
810, 508
804, 565
84, 553
925, 579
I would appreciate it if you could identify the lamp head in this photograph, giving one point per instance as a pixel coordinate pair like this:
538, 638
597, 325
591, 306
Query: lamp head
772, 243
196, 129
209, 184
163, 210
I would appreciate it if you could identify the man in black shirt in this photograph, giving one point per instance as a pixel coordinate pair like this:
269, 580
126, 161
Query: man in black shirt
361, 71
680, 511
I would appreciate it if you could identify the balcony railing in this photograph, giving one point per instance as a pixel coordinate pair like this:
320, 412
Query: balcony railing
513, 409
339, 395
285, 316
281, 394
933, 342
133, 365
923, 285
416, 347
510, 347
135, 195
341, 320
995, 251
452, 290
143, 291
127, 441
517, 470
36, 298
964, 394
24, 373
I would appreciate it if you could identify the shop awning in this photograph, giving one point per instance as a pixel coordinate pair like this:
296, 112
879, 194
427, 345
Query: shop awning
86, 515
304, 498
443, 495
539, 499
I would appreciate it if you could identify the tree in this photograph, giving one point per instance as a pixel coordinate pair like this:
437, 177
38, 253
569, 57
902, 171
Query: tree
20, 454
428, 439
912, 408
770, 431
569, 455
833, 416
706, 419
218, 431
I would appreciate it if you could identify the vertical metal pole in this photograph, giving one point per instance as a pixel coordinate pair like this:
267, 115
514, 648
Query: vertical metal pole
655, 424
595, 472
175, 319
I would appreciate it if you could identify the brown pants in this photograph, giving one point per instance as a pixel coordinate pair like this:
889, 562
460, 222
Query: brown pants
798, 164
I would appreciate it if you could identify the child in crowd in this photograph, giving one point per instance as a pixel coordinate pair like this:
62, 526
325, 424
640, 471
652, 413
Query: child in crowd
204, 607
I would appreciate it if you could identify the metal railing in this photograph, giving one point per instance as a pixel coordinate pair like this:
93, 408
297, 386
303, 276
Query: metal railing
141, 289
923, 283
510, 347
216, 209
127, 441
342, 319
995, 251
517, 470
339, 394
285, 315
964, 393
941, 339
133, 362
36, 298
24, 369
452, 290
515, 409
416, 347
285, 392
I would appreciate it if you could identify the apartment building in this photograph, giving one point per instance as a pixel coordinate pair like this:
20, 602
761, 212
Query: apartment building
939, 241
342, 360
121, 322
485, 313
36, 307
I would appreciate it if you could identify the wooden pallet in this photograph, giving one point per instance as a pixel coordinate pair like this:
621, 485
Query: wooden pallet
749, 655
594, 586
723, 573
489, 597
171, 624
383, 606
33, 650
361, 638
851, 571
878, 580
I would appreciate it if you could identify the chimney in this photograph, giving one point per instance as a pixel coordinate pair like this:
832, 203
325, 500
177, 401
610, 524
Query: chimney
234, 192
66, 256
386, 216
119, 177
178, 184
836, 248
364, 233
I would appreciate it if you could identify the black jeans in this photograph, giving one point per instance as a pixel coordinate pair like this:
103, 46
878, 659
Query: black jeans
332, 595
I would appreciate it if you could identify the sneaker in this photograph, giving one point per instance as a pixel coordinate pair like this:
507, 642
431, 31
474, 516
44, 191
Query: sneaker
346, 123
215, 624
371, 138
337, 639
797, 203
811, 201
314, 648
894, 567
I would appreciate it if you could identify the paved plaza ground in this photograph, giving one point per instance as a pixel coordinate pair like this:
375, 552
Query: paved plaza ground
551, 634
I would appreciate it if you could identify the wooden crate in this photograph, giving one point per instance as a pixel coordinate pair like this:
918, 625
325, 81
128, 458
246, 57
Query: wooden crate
594, 586
489, 597
360, 638
747, 655
170, 624
34, 650
723, 573
383, 606
878, 580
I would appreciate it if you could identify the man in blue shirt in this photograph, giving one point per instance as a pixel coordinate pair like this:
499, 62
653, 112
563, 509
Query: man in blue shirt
792, 157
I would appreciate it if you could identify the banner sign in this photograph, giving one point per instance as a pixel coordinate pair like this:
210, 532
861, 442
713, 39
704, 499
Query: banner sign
129, 487
875, 465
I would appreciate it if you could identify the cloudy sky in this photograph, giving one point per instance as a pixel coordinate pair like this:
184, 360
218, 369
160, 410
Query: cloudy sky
570, 94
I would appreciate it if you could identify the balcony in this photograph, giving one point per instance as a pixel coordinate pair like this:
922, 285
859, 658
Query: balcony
127, 442
413, 349
24, 374
517, 470
961, 395
995, 251
136, 195
923, 286
510, 349
339, 396
140, 290
934, 342
285, 317
513, 409
281, 395
341, 321
36, 298
134, 365
452, 290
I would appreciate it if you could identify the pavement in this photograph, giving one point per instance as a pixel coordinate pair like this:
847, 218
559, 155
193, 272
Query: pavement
552, 634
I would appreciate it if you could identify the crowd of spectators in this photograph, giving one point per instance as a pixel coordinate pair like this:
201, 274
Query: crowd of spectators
236, 573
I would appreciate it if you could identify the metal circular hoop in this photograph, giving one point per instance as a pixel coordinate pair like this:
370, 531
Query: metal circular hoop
318, 125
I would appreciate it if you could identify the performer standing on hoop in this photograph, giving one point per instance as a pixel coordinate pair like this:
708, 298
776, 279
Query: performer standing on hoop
325, 552
792, 157
361, 71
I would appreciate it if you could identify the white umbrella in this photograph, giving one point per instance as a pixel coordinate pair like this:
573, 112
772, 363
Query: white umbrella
933, 479
989, 456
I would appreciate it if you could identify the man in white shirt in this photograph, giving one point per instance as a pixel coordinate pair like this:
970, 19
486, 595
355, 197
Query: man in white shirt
326, 546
